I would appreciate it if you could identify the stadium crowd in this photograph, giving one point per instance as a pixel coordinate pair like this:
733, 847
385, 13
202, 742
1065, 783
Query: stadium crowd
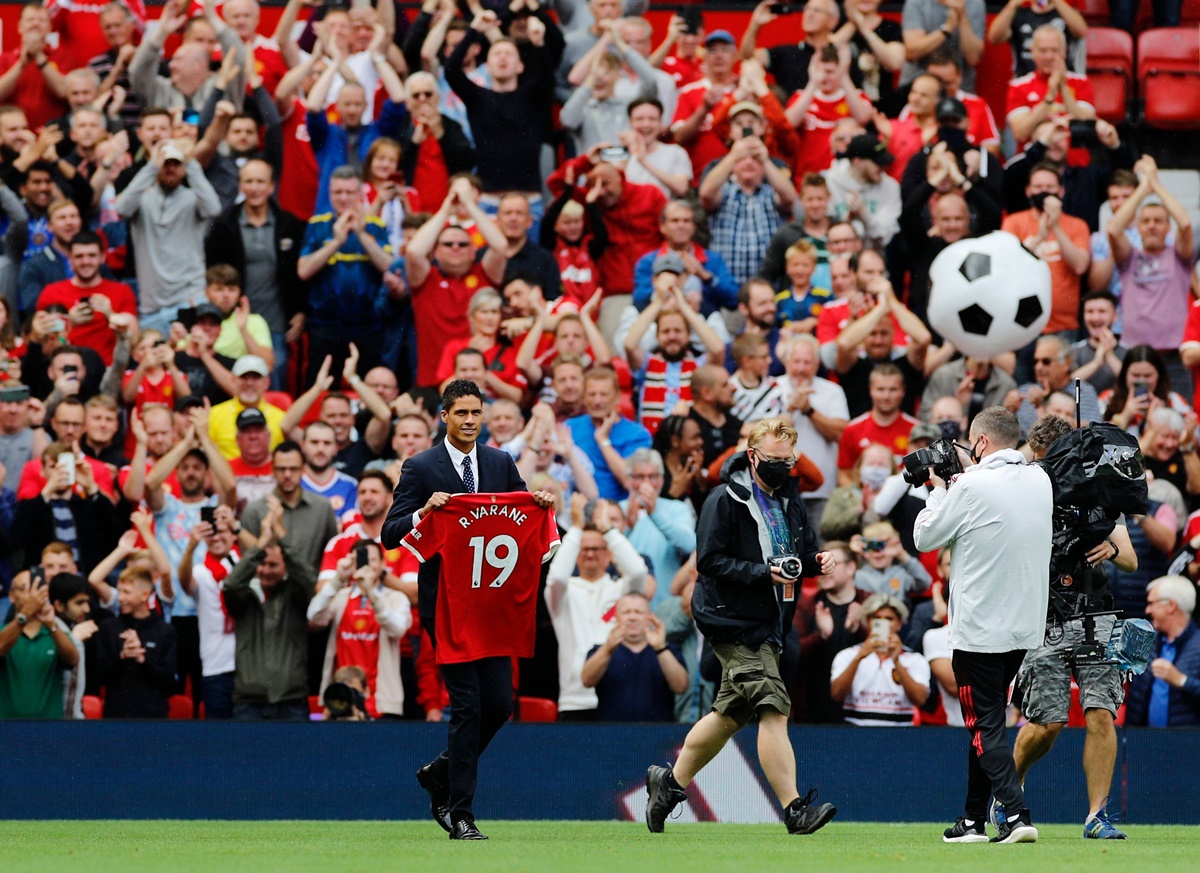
237, 266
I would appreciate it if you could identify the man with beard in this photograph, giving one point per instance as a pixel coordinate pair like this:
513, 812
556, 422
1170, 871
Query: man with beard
167, 224
664, 376
712, 398
604, 435
320, 475
756, 303
251, 380
252, 467
47, 253
885, 423
190, 460
308, 518
566, 381
93, 303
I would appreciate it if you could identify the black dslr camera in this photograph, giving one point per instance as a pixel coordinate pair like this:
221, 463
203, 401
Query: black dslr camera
941, 454
341, 700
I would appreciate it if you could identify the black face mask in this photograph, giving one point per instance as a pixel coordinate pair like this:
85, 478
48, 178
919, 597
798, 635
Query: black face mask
773, 473
975, 457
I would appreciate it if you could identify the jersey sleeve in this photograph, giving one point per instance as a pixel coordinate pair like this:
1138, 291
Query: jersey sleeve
550, 540
425, 540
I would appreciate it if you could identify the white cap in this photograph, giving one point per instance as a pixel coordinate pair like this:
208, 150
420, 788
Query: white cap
251, 364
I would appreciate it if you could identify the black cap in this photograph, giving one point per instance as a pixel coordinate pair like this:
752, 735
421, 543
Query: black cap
866, 146
951, 109
209, 310
251, 417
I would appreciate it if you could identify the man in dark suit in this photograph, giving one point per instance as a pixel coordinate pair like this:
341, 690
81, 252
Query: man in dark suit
480, 691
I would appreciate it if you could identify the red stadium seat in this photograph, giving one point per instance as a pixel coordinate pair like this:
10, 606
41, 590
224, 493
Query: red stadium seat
315, 707
1189, 15
278, 398
1169, 77
537, 709
1095, 13
1110, 70
93, 707
180, 708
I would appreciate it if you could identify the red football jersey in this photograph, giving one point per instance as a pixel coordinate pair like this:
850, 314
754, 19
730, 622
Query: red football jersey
492, 548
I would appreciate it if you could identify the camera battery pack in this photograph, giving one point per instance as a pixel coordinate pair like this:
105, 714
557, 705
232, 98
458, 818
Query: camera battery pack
1131, 645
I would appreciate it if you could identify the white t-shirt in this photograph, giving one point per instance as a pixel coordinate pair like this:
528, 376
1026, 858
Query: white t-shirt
875, 699
217, 645
666, 158
936, 644
830, 400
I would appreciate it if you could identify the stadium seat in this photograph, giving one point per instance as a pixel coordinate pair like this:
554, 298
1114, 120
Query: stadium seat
1168, 68
93, 707
180, 708
1189, 15
537, 709
278, 398
1095, 13
315, 707
1110, 70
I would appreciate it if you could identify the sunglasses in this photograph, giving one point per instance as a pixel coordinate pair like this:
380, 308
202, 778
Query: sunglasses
1046, 360
874, 545
421, 95
455, 245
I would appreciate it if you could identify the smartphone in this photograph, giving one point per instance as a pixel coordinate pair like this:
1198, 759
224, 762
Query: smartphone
37, 576
881, 629
208, 515
955, 138
14, 394
66, 462
786, 8
614, 154
747, 132
1141, 388
187, 317
56, 325
693, 19
362, 557
160, 343
70, 369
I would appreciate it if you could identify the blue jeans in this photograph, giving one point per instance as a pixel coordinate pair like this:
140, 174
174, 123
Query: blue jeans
217, 694
1124, 13
159, 320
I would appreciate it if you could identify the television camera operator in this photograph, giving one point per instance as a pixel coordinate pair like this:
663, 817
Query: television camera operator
1044, 681
997, 518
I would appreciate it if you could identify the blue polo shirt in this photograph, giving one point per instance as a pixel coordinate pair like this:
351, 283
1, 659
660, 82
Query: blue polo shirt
626, 436
348, 292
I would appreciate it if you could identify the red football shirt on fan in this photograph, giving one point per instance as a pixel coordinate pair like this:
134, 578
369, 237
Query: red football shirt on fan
358, 642
834, 317
864, 430
296, 187
440, 313
684, 71
1026, 92
705, 148
815, 128
269, 63
1191, 337
494, 546
96, 334
31, 92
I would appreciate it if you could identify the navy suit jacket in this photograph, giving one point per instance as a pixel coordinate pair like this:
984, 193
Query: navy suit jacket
422, 475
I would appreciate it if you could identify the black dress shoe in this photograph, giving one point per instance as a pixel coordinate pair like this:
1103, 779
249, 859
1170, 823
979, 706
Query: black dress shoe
439, 796
465, 829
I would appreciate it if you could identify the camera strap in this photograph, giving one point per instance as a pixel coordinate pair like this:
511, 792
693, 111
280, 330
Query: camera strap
777, 528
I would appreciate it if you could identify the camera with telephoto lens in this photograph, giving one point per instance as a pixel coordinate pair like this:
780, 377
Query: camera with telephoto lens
941, 455
341, 700
787, 565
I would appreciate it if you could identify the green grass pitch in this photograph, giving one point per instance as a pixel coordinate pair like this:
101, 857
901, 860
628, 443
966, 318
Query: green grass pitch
565, 847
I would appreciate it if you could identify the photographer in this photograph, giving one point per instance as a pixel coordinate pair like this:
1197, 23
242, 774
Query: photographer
744, 603
997, 518
1044, 681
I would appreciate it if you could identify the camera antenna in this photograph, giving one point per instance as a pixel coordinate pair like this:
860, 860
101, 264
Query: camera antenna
1078, 404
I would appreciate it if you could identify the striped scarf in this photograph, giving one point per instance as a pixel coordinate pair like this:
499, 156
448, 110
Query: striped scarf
665, 384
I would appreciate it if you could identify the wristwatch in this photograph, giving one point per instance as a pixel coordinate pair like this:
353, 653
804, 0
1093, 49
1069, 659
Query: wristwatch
22, 619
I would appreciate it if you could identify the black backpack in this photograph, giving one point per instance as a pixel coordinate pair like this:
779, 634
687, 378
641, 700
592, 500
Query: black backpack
1097, 473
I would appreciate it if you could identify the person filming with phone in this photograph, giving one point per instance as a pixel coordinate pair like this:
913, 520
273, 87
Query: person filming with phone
997, 518
878, 682
31, 673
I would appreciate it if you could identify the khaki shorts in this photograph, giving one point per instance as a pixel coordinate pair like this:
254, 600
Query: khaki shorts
1045, 678
750, 680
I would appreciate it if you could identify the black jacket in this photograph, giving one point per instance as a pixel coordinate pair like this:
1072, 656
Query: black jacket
224, 246
137, 690
456, 149
735, 600
33, 529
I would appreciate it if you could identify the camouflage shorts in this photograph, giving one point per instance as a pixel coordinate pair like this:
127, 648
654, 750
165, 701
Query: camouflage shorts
1045, 678
750, 680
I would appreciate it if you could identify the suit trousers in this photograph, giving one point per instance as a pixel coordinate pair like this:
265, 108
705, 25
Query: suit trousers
481, 694
983, 679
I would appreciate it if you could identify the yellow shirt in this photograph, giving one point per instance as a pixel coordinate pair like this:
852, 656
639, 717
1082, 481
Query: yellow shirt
222, 425
230, 342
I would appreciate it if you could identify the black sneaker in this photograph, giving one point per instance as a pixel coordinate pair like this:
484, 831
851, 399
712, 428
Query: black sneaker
439, 796
1016, 829
662, 798
965, 831
803, 816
